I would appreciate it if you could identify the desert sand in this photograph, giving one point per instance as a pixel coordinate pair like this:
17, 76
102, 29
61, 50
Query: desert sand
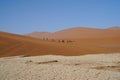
56, 67
79, 33
70, 54
84, 41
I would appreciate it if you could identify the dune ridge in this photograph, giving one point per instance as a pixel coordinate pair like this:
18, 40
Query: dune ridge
79, 32
94, 42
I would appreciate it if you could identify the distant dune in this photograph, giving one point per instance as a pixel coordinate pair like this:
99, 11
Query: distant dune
114, 28
79, 32
82, 41
40, 34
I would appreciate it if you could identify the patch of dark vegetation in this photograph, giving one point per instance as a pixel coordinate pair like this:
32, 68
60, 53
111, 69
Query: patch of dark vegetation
29, 61
24, 56
46, 62
113, 68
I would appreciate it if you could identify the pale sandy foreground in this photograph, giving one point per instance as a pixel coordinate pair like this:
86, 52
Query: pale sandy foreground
51, 67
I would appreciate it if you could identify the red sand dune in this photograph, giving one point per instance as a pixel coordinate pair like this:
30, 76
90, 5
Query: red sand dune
86, 41
12, 44
79, 32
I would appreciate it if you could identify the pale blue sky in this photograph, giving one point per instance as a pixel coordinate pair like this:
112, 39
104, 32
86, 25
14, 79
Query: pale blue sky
25, 16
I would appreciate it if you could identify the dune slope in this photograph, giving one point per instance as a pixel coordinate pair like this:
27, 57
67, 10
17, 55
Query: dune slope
12, 44
88, 40
93, 42
79, 32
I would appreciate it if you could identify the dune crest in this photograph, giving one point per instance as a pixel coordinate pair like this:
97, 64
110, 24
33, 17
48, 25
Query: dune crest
79, 32
68, 42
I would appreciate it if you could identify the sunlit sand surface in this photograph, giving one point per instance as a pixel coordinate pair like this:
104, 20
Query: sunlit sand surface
54, 67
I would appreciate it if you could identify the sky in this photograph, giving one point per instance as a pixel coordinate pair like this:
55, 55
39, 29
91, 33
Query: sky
26, 16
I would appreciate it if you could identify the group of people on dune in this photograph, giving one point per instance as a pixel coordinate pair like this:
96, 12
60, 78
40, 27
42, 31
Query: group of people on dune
59, 40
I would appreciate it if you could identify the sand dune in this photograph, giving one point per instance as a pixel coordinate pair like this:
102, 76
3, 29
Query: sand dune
12, 44
40, 34
79, 32
51, 67
94, 42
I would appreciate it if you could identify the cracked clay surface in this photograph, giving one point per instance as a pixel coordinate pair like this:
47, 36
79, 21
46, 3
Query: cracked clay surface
52, 67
